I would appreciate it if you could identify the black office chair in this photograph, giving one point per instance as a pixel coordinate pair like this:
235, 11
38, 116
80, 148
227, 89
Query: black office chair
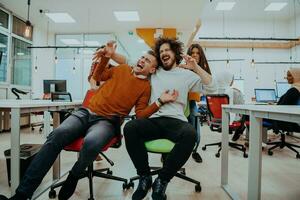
284, 128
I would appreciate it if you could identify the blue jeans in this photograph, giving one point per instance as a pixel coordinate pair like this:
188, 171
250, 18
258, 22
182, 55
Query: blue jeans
96, 130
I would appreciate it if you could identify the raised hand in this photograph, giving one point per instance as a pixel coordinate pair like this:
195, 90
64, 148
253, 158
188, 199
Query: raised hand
191, 63
98, 54
167, 96
110, 48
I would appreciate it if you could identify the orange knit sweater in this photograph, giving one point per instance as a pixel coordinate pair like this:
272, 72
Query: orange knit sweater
121, 92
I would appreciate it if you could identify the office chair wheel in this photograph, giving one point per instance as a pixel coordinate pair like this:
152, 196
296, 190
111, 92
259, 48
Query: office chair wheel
198, 188
52, 194
298, 156
109, 172
245, 155
130, 185
270, 153
217, 155
204, 148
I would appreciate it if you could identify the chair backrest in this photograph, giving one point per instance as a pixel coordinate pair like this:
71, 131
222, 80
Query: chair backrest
214, 104
61, 96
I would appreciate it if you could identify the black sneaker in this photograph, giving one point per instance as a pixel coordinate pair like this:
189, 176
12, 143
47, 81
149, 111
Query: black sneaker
68, 187
144, 186
17, 196
159, 189
197, 157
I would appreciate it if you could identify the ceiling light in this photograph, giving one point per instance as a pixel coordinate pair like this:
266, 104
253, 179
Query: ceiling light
141, 41
92, 43
128, 16
275, 6
70, 41
2, 45
225, 5
20, 54
28, 24
60, 17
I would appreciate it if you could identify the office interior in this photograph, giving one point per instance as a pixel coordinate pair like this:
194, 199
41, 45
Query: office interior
48, 46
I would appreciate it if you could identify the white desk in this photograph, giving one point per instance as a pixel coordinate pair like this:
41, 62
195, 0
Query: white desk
256, 113
18, 107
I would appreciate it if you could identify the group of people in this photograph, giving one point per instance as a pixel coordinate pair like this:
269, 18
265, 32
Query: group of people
158, 89
157, 86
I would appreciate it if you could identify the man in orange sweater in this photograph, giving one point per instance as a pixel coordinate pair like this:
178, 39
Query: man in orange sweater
124, 88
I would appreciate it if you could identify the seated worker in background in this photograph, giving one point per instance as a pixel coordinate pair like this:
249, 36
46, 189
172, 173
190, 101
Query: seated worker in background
125, 87
169, 122
291, 97
225, 82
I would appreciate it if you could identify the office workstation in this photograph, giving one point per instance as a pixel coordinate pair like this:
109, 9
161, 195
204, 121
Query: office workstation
149, 99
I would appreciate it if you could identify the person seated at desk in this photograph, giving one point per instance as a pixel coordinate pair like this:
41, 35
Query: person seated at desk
225, 82
291, 97
125, 87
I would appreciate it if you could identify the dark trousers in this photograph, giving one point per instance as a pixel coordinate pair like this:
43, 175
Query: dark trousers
138, 131
96, 130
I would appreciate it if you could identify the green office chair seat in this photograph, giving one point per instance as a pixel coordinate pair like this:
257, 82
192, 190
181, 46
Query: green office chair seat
159, 146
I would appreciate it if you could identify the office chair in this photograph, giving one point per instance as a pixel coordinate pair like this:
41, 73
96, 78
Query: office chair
214, 106
164, 147
106, 173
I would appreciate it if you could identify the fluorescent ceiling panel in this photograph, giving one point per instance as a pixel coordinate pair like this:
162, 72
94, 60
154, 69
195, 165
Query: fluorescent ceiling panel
70, 41
127, 16
225, 6
275, 6
92, 43
60, 17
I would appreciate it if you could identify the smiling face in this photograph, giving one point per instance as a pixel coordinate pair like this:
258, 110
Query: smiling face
146, 65
167, 56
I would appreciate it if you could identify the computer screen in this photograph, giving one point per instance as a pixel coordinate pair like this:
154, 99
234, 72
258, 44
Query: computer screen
282, 88
265, 95
55, 86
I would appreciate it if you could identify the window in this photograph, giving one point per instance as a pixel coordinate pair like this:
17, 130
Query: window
21, 69
3, 57
3, 19
19, 27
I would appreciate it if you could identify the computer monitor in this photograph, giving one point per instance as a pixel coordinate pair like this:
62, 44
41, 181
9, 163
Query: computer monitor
265, 95
282, 88
55, 86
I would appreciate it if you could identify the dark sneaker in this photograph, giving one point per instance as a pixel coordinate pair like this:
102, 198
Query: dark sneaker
197, 157
17, 196
144, 186
159, 189
68, 187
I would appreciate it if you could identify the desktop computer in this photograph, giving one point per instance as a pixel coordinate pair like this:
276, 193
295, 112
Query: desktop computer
55, 86
282, 88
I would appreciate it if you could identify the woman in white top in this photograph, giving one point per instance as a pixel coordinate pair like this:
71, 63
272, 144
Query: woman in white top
225, 82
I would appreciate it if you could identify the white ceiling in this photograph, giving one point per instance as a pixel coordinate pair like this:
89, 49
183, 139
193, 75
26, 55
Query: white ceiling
96, 16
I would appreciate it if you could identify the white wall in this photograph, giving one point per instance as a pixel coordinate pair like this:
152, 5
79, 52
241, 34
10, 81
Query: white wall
43, 59
267, 74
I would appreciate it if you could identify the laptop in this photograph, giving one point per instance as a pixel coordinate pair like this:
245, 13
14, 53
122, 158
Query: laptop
265, 95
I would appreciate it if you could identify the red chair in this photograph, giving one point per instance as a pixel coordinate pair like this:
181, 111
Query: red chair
115, 142
214, 107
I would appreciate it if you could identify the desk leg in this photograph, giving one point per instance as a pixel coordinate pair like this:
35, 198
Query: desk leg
46, 123
254, 170
224, 152
15, 149
56, 165
6, 121
1, 118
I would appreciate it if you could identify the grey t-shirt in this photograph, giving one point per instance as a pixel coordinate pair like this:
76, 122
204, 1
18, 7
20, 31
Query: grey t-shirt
181, 80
